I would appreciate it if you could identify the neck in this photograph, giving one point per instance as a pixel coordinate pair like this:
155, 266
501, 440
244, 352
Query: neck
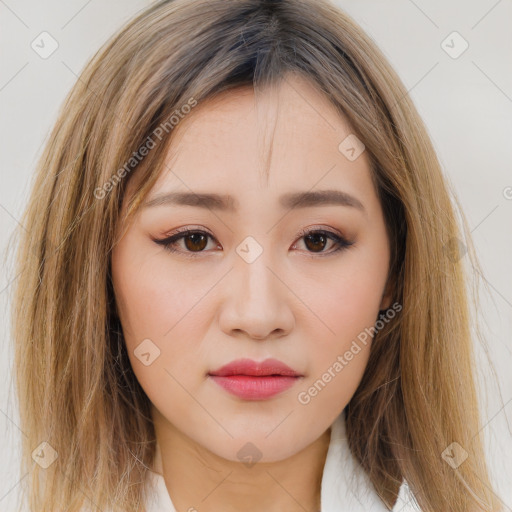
198, 479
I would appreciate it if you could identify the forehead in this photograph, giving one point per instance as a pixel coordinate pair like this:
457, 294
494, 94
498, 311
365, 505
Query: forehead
271, 122
245, 143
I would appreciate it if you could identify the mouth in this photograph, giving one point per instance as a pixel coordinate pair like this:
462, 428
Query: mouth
251, 380
248, 367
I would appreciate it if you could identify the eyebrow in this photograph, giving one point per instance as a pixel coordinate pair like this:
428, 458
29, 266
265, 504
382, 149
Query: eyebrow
229, 204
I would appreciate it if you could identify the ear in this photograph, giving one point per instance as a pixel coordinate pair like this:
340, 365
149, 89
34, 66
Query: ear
387, 296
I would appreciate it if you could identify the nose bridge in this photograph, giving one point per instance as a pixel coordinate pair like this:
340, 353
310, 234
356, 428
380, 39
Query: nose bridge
257, 301
258, 255
255, 281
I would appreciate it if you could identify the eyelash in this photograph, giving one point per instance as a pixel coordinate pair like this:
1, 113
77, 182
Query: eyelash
169, 242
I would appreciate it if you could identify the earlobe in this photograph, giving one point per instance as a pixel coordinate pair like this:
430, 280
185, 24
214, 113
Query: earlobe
387, 297
385, 303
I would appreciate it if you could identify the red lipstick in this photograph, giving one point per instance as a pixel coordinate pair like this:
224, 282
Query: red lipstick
251, 380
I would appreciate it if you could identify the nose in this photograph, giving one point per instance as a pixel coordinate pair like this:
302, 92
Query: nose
256, 301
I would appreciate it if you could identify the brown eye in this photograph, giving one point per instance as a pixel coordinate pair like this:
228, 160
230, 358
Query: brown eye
192, 242
195, 242
316, 242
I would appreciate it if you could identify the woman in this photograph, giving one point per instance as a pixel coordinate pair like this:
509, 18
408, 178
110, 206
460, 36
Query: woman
191, 326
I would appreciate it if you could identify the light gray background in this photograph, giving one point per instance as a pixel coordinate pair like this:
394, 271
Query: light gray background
466, 103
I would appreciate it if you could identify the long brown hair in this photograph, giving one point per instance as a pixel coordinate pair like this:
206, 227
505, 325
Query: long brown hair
74, 381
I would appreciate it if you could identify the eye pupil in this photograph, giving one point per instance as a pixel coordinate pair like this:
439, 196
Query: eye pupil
196, 242
315, 236
196, 238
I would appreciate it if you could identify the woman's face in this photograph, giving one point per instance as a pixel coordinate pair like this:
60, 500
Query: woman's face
249, 283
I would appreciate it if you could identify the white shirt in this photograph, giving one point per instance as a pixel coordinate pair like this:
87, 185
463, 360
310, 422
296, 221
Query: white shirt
345, 486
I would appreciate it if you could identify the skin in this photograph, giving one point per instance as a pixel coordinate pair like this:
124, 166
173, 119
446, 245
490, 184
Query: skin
297, 302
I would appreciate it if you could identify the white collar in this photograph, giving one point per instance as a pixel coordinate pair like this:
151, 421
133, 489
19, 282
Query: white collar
345, 486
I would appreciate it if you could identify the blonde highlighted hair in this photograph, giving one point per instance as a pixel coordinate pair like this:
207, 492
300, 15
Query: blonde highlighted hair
74, 382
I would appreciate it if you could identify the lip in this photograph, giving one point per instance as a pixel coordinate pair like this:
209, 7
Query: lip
252, 380
253, 368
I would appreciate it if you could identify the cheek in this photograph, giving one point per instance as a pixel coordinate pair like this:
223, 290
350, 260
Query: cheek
153, 300
359, 288
334, 383
347, 308
340, 358
154, 310
348, 303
